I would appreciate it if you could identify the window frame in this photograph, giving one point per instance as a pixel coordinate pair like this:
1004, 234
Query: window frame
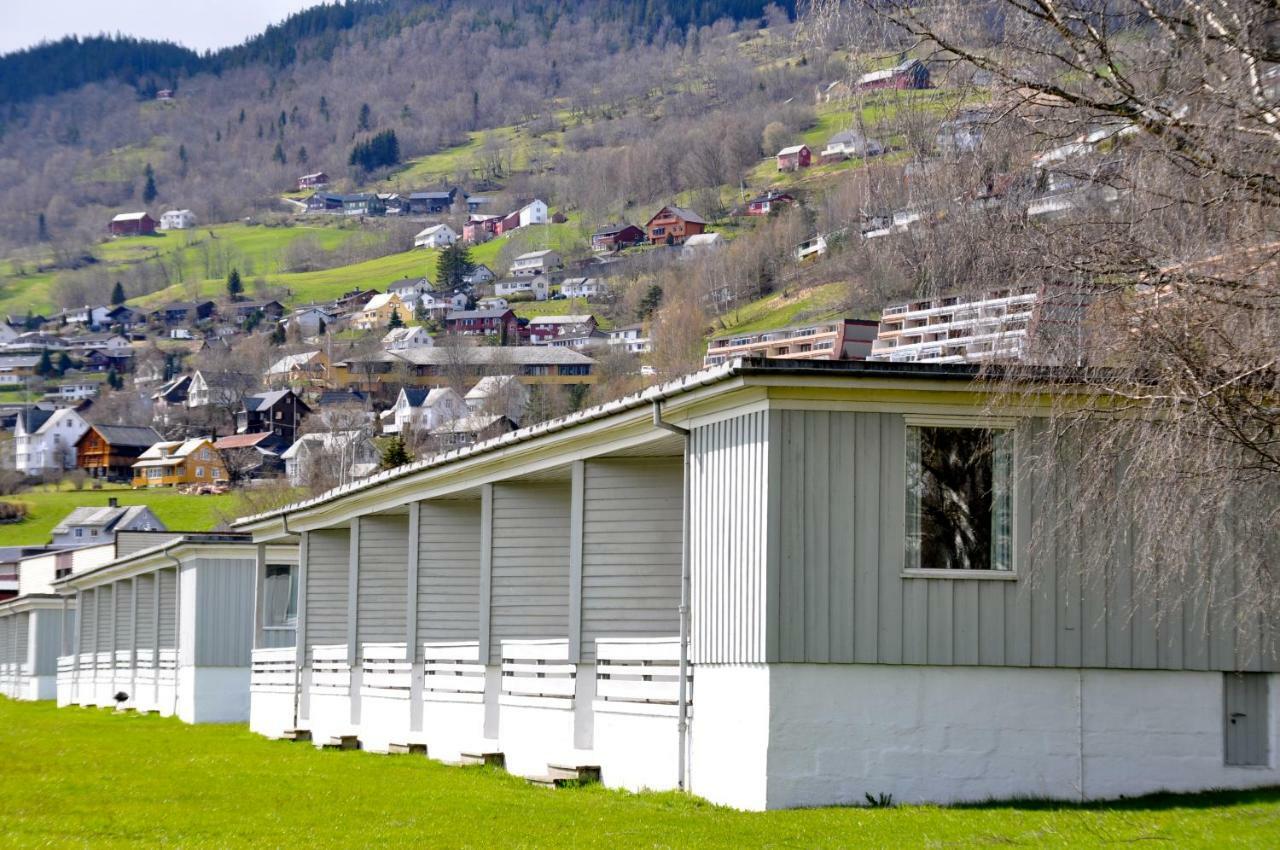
292, 599
985, 423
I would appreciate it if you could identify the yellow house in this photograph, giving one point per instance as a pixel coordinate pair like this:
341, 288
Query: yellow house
377, 313
176, 462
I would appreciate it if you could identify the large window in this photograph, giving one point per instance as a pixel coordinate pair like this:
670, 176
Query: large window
280, 597
959, 498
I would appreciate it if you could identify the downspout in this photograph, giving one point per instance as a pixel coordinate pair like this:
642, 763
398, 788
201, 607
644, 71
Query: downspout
682, 697
177, 628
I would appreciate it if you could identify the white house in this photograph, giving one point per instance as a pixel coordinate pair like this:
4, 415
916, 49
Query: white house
312, 321
92, 525
701, 243
18, 369
45, 440
177, 220
435, 236
170, 627
479, 276
409, 288
398, 339
766, 537
534, 212
591, 288
631, 338
350, 454
437, 302
536, 263
848, 143
492, 302
216, 389
7, 333
539, 287
422, 410
500, 394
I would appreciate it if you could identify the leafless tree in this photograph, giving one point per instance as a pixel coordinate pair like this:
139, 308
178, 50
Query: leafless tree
1163, 120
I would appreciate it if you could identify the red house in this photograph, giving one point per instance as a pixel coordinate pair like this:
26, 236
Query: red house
672, 225
907, 74
313, 181
766, 203
500, 323
132, 224
481, 228
614, 237
795, 158
507, 224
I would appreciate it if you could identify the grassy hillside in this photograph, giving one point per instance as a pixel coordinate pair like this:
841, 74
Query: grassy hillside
47, 506
788, 307
88, 777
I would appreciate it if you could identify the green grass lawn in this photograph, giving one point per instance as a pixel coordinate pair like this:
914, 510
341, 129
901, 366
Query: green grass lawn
47, 505
87, 777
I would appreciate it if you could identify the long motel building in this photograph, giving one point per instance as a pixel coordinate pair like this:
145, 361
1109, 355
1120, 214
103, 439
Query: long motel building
745, 584
164, 625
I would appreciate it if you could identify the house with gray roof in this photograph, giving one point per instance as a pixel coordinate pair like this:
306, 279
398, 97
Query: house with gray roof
92, 525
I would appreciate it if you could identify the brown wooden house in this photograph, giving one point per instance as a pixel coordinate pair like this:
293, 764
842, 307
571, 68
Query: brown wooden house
132, 224
110, 451
672, 225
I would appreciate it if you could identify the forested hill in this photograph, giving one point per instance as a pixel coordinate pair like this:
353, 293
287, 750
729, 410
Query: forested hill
317, 32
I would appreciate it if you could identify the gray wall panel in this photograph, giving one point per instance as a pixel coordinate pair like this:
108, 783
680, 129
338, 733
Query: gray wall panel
449, 570
224, 611
383, 579
328, 566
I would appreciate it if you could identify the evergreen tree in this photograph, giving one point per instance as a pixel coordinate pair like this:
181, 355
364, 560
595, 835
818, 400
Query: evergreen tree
420, 314
278, 335
42, 228
64, 363
395, 321
149, 188
324, 108
380, 150
366, 118
252, 320
117, 295
278, 154
45, 367
453, 265
394, 453
234, 285
182, 158
652, 298
114, 380
302, 155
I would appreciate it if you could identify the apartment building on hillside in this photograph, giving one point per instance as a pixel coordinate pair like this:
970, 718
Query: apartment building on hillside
838, 339
1000, 325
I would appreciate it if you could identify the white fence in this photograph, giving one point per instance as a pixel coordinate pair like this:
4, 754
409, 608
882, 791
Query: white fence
537, 668
384, 669
452, 671
640, 670
329, 669
273, 670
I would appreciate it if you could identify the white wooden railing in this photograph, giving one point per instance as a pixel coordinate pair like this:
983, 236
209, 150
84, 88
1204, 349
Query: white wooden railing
640, 670
452, 671
124, 659
105, 663
145, 659
383, 667
329, 668
167, 665
274, 670
537, 668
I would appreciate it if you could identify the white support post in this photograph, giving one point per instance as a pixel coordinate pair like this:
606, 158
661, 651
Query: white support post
259, 586
486, 570
300, 708
577, 507
411, 585
133, 640
157, 580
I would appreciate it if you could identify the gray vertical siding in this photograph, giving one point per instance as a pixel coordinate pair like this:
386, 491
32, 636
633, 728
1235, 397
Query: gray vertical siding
124, 614
86, 609
328, 564
128, 542
448, 570
168, 608
21, 625
842, 597
383, 578
48, 642
146, 610
730, 512
223, 627
631, 546
106, 618
530, 552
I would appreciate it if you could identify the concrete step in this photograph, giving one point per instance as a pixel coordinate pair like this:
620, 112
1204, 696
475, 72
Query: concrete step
544, 781
342, 742
407, 749
296, 735
490, 758
580, 773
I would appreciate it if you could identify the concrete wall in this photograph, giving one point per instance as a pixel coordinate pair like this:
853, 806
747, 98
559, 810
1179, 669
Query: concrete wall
951, 734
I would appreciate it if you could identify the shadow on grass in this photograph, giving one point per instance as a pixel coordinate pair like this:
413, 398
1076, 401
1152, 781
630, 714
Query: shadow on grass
1161, 801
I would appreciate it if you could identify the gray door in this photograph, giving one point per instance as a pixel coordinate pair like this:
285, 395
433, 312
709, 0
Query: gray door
1246, 718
